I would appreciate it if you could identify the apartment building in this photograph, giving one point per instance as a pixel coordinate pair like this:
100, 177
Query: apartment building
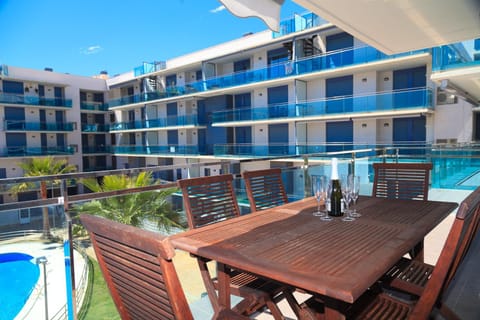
309, 88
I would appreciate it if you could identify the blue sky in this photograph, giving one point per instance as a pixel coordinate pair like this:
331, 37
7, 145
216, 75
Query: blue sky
84, 37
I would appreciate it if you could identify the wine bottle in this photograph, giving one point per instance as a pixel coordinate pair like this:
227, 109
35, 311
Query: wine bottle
336, 196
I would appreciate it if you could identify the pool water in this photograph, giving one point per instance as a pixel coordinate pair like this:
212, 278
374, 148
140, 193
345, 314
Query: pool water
18, 277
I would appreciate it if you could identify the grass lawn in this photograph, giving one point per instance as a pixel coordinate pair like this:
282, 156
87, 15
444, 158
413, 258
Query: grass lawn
98, 304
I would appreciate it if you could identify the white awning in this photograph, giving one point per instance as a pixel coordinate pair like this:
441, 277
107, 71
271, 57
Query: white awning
267, 10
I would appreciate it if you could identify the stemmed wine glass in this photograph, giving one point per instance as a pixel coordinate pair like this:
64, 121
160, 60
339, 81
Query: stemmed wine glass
347, 197
320, 192
355, 191
326, 216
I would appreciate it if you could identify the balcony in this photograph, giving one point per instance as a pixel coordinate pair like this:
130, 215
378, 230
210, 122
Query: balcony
93, 106
190, 120
173, 91
457, 55
86, 128
456, 67
149, 67
23, 151
96, 149
169, 150
346, 106
293, 68
13, 125
299, 23
12, 98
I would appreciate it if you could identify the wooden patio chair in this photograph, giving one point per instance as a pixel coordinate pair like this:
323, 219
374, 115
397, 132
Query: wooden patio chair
137, 266
408, 181
264, 188
401, 180
411, 276
212, 199
377, 304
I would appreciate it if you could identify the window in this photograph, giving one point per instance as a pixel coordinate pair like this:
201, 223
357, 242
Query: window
98, 97
171, 80
12, 87
206, 172
241, 65
41, 90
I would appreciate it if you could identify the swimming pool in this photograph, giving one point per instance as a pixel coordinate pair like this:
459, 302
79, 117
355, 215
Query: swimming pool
18, 277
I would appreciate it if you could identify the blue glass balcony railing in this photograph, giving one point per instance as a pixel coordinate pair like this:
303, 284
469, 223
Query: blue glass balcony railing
96, 149
13, 98
331, 60
170, 121
457, 55
346, 105
299, 23
95, 127
158, 149
93, 106
13, 125
249, 150
23, 151
149, 67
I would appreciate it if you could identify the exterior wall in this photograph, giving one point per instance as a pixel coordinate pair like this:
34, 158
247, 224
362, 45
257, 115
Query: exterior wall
72, 85
384, 131
364, 82
257, 165
315, 89
364, 131
454, 121
316, 132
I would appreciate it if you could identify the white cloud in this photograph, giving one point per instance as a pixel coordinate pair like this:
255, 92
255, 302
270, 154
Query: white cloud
217, 9
91, 50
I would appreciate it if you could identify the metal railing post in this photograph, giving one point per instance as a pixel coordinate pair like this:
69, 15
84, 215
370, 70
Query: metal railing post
353, 163
72, 304
43, 261
307, 192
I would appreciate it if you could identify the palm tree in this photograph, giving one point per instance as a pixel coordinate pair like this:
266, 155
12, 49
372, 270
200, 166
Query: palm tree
135, 208
43, 166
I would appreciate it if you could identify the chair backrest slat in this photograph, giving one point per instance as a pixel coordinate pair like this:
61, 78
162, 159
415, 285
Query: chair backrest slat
209, 199
401, 180
463, 230
264, 188
137, 266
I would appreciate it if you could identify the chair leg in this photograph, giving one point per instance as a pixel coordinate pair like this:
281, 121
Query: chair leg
207, 280
293, 303
277, 315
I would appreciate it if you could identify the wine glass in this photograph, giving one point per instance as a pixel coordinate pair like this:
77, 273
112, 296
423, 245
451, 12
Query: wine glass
347, 196
326, 216
320, 192
355, 191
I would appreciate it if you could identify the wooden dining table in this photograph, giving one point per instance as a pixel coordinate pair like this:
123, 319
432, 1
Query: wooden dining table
337, 260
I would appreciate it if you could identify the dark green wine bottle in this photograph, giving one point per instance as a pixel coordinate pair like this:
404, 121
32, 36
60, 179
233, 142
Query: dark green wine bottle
336, 196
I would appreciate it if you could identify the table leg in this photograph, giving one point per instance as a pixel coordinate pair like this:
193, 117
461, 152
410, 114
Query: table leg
417, 252
223, 276
333, 314
333, 309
